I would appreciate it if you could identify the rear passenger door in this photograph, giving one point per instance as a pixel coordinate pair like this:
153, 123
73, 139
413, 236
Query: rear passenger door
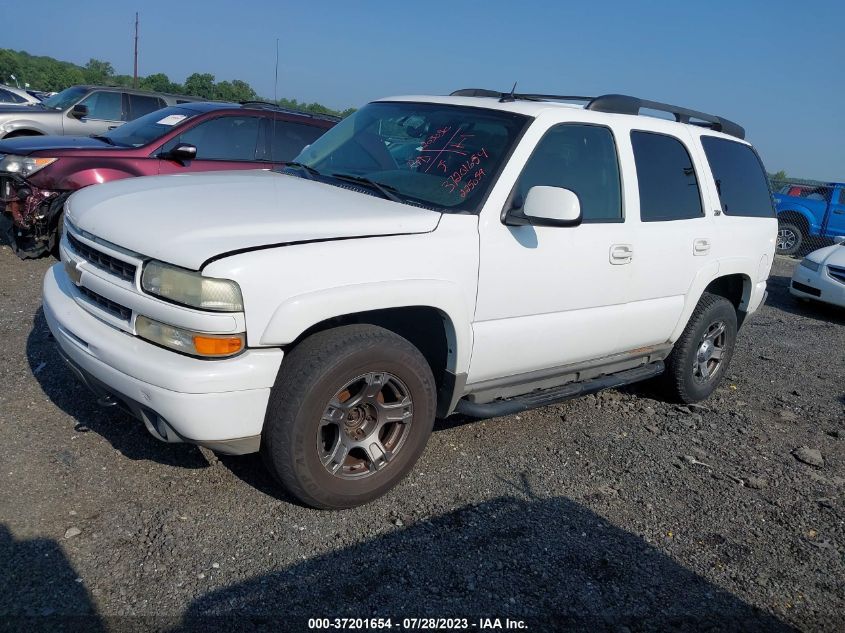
224, 142
674, 237
139, 105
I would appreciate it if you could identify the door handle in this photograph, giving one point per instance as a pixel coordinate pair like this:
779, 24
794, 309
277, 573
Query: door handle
701, 246
621, 254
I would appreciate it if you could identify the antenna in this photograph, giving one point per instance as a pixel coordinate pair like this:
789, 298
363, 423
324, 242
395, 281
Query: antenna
272, 138
135, 75
506, 98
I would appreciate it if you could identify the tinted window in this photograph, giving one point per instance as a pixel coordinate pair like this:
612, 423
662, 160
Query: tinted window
150, 126
668, 185
10, 97
288, 139
106, 106
581, 158
740, 179
223, 138
842, 195
139, 105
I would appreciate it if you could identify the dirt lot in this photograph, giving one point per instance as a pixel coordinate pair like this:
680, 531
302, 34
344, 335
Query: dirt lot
617, 512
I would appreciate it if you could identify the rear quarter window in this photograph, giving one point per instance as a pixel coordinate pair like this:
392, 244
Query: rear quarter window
740, 178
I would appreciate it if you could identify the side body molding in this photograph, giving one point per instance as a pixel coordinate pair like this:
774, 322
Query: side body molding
296, 314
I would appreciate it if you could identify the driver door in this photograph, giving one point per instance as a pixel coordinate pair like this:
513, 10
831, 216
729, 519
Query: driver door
550, 296
106, 109
224, 142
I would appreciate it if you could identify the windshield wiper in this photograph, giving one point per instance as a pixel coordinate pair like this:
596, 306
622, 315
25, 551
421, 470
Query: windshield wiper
385, 190
105, 139
312, 173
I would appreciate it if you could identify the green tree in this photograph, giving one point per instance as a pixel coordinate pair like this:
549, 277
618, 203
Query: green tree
780, 175
200, 85
159, 82
98, 72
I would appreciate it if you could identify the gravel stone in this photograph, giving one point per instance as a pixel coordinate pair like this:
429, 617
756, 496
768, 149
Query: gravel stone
811, 456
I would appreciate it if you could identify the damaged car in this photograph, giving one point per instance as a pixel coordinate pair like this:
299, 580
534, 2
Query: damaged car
37, 174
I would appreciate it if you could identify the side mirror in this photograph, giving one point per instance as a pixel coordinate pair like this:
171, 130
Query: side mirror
549, 206
182, 152
79, 111
839, 239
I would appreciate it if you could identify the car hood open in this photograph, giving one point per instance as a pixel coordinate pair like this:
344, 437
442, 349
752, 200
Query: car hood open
189, 219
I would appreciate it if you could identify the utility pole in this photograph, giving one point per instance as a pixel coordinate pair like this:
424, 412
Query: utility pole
135, 75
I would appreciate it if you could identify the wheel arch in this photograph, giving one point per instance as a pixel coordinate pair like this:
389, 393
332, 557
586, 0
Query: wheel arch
799, 216
440, 329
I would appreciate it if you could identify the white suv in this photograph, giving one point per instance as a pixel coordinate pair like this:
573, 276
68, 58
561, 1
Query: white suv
481, 253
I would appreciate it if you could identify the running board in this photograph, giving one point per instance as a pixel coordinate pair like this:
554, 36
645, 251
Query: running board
545, 397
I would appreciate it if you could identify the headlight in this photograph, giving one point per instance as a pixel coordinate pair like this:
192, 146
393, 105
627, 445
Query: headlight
809, 263
191, 288
188, 342
24, 165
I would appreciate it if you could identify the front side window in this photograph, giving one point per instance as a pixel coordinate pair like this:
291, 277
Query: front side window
139, 105
740, 179
104, 106
581, 158
443, 156
231, 138
150, 127
667, 181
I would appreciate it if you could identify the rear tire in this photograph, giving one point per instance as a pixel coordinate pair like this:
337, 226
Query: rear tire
349, 415
701, 356
790, 238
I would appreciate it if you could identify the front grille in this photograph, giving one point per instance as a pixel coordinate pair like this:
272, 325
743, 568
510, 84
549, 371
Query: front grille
837, 272
121, 312
809, 290
110, 264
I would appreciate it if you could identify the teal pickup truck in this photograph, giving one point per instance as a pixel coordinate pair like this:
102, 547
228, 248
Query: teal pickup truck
809, 214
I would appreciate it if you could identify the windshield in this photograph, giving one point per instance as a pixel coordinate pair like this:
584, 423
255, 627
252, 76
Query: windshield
65, 98
439, 155
149, 127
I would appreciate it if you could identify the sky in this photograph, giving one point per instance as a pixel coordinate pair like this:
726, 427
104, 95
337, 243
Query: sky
774, 67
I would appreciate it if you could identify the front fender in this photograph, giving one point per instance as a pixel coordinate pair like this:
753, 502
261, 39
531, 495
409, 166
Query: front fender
297, 314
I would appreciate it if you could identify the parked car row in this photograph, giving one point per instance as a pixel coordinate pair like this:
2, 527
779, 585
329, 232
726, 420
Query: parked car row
38, 173
480, 253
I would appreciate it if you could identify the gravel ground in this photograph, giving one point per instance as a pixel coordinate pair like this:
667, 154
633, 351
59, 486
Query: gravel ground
616, 512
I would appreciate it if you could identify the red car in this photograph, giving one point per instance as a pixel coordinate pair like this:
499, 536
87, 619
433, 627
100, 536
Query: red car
37, 173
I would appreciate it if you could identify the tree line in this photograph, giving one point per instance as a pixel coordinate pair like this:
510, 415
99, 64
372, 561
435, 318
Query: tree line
49, 74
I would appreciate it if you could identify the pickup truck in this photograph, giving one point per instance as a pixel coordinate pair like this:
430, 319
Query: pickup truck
479, 253
809, 212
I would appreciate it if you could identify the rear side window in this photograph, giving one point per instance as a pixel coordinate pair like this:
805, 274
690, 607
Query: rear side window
667, 180
581, 158
288, 139
10, 97
740, 179
139, 105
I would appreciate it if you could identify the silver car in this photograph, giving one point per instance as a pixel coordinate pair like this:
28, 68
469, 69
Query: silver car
15, 96
82, 111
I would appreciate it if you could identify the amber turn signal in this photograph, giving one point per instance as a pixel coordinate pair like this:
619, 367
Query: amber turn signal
217, 346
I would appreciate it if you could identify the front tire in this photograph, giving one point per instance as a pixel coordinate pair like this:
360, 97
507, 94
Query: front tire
701, 356
790, 238
348, 417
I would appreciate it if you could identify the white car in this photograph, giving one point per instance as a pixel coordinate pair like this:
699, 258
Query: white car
15, 96
480, 253
821, 275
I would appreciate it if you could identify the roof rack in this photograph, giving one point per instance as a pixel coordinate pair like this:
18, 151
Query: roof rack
269, 105
619, 104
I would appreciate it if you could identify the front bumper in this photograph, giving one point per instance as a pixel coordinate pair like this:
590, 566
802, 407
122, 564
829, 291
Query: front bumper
216, 403
817, 285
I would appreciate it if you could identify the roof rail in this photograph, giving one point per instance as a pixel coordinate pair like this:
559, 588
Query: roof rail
623, 104
618, 104
268, 105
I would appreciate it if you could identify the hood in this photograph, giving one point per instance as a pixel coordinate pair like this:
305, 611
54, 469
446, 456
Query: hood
25, 145
188, 219
17, 108
829, 255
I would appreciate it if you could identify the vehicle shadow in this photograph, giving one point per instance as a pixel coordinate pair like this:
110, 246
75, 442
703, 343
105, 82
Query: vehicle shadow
550, 562
124, 432
779, 297
40, 590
